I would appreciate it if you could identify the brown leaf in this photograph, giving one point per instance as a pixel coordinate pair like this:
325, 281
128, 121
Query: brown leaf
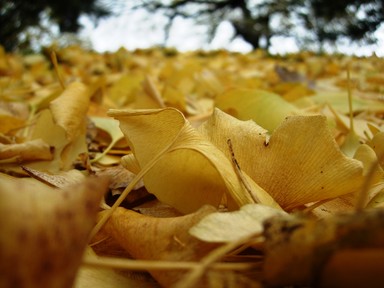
44, 231
306, 245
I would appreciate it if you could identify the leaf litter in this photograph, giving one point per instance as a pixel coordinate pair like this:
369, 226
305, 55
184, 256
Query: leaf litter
219, 169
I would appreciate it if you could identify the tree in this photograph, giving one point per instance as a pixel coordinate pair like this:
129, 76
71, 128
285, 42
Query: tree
18, 15
257, 21
331, 20
250, 19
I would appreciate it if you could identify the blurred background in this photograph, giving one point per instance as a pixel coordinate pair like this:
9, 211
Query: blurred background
341, 26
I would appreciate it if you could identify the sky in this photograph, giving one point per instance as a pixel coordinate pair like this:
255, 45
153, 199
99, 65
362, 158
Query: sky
137, 29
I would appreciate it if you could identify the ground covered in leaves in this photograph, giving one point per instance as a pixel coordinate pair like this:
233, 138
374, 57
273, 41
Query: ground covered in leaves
203, 169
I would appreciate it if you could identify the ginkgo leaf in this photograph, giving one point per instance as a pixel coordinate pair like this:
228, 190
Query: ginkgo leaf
111, 126
55, 136
70, 108
12, 116
351, 144
27, 151
174, 98
45, 229
232, 226
136, 233
368, 157
184, 169
298, 164
265, 108
360, 126
377, 144
124, 90
338, 100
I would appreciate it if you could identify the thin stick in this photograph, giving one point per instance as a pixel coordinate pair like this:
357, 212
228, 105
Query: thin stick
351, 125
361, 197
131, 185
317, 204
194, 275
145, 265
239, 173
125, 193
56, 65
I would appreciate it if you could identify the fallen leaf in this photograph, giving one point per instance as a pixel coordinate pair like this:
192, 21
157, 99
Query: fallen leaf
100, 277
44, 231
27, 151
222, 227
354, 268
307, 245
111, 126
300, 162
265, 108
136, 232
377, 144
165, 144
338, 100
124, 90
59, 180
13, 116
70, 108
55, 136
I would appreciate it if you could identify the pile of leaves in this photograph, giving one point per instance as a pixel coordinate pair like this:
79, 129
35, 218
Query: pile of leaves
203, 169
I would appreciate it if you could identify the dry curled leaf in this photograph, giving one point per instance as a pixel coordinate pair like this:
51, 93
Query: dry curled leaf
175, 155
136, 233
28, 151
70, 108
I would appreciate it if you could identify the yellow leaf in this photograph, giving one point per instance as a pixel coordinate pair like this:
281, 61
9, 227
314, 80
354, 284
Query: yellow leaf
174, 98
377, 144
70, 108
27, 151
136, 234
338, 100
185, 170
124, 90
238, 224
265, 108
111, 126
298, 164
65, 151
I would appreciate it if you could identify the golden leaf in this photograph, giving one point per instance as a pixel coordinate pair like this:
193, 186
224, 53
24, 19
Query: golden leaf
185, 170
70, 108
265, 108
27, 151
231, 226
298, 164
136, 233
